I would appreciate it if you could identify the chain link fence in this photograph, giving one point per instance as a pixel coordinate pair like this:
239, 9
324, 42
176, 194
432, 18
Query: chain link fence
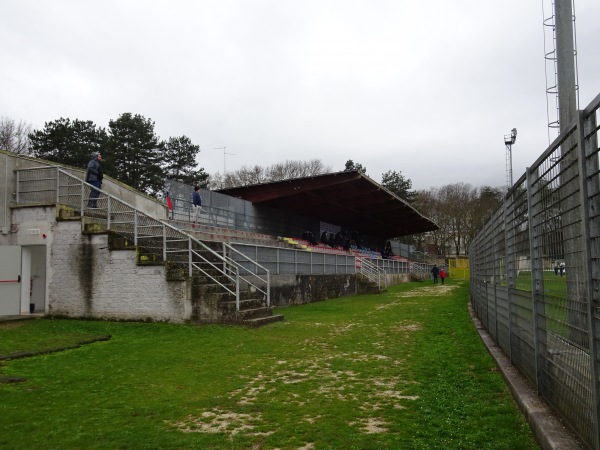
535, 275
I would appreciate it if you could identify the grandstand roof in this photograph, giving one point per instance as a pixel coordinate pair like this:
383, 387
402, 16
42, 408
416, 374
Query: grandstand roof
349, 199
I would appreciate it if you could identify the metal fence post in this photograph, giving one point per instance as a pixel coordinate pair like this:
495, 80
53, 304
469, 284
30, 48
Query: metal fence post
82, 199
108, 214
57, 185
537, 276
237, 289
190, 260
589, 188
164, 236
135, 227
508, 263
268, 288
495, 273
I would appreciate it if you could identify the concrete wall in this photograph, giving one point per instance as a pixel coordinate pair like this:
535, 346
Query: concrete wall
85, 279
289, 290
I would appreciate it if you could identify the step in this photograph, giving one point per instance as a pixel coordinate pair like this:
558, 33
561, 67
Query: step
245, 304
254, 313
260, 321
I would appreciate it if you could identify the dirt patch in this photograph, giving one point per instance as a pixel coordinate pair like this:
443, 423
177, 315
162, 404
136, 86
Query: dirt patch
436, 290
409, 327
371, 425
219, 421
309, 446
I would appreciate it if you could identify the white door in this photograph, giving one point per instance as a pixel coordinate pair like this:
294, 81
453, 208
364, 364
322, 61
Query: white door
10, 280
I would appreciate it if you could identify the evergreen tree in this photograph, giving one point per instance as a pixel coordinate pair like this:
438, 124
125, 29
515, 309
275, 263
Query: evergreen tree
69, 143
179, 162
136, 152
396, 182
351, 165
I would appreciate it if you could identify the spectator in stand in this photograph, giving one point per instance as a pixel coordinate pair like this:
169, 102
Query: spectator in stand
339, 239
387, 252
324, 239
331, 240
442, 275
346, 244
308, 235
435, 272
94, 177
196, 203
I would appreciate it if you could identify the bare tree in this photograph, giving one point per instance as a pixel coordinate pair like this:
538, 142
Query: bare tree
289, 169
14, 136
460, 201
277, 172
460, 210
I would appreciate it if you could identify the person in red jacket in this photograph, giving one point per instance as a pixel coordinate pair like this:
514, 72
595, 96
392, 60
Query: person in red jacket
442, 275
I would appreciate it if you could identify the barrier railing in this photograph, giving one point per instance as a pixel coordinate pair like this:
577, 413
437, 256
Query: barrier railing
373, 273
535, 272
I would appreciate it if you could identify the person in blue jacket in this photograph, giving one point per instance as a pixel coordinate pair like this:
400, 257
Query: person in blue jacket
196, 203
94, 176
435, 272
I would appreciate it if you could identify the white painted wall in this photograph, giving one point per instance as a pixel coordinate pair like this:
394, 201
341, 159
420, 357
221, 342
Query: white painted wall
84, 279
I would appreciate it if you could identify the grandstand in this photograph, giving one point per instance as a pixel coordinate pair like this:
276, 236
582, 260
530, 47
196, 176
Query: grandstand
134, 259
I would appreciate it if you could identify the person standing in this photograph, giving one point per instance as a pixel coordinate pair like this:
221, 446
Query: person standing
196, 203
442, 275
94, 177
562, 268
435, 272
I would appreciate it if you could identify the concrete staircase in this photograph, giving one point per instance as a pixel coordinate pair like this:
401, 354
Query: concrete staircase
366, 286
213, 304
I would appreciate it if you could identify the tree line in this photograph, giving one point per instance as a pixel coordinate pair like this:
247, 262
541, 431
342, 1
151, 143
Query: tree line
460, 210
132, 152
135, 155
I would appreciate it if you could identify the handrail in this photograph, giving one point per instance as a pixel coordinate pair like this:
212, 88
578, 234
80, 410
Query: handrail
421, 270
371, 271
120, 215
266, 281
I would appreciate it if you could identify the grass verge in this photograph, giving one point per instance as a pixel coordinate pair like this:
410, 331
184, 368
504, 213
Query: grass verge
401, 370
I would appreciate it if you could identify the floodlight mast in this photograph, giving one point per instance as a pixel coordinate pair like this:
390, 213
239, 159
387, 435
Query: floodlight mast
509, 140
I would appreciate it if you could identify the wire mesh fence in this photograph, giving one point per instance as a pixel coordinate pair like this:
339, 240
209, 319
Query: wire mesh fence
535, 275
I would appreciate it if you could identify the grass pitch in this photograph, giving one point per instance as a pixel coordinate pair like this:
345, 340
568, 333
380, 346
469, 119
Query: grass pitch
401, 370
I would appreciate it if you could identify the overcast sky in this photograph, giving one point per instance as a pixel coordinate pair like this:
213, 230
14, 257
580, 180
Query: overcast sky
425, 88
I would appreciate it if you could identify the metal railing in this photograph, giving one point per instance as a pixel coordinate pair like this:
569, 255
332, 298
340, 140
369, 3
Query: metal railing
159, 240
375, 274
421, 271
289, 261
535, 273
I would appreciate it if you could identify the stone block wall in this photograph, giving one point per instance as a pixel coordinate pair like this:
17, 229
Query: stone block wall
288, 290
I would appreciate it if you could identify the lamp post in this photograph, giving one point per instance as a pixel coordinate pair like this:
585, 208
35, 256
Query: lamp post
509, 140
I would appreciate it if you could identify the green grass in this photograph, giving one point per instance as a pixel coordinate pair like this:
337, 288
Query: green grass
402, 370
554, 285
